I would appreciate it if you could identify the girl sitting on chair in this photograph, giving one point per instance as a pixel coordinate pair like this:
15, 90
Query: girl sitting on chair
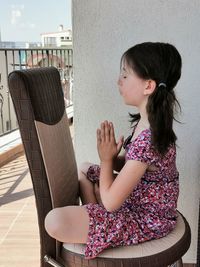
139, 202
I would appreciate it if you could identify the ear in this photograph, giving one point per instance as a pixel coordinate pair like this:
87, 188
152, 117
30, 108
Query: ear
149, 87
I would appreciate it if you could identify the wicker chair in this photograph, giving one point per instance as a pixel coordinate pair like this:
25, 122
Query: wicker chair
38, 100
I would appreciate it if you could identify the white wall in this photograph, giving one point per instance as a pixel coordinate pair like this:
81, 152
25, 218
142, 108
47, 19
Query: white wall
102, 31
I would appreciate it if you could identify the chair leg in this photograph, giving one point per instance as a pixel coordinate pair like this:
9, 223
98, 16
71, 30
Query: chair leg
178, 263
51, 261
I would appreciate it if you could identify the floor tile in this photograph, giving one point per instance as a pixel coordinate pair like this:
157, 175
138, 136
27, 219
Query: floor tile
19, 232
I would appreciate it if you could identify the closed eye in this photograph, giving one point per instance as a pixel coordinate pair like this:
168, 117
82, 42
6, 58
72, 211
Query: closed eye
123, 75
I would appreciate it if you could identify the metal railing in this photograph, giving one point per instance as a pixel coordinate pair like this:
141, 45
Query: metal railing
25, 58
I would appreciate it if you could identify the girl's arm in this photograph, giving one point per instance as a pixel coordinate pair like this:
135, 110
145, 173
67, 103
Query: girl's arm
115, 191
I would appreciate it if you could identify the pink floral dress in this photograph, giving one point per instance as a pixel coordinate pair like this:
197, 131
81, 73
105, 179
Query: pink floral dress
148, 213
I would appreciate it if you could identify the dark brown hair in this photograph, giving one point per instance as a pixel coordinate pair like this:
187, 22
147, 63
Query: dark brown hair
162, 63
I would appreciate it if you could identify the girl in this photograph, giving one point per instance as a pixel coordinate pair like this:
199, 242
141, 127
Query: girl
139, 202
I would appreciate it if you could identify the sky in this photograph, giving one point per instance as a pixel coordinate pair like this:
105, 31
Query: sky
25, 20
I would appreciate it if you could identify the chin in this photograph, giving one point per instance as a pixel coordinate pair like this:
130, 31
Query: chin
132, 105
128, 103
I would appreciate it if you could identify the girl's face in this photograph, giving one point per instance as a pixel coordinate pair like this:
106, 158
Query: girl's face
131, 86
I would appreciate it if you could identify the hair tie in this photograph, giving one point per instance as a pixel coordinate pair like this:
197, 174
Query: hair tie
162, 84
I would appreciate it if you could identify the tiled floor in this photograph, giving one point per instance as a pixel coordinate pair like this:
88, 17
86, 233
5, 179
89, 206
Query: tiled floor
19, 236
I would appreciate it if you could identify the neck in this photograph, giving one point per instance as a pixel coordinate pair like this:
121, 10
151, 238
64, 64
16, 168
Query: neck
144, 122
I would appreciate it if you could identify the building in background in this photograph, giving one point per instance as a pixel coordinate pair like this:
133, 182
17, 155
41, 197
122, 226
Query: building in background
54, 50
63, 37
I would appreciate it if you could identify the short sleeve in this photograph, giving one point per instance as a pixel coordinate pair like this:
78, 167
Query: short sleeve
141, 149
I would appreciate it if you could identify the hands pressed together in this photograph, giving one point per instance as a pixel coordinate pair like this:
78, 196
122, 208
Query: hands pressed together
107, 146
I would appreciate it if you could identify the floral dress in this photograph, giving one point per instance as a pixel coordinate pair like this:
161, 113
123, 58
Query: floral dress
148, 213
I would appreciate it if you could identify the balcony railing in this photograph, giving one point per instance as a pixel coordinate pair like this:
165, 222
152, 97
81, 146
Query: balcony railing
16, 59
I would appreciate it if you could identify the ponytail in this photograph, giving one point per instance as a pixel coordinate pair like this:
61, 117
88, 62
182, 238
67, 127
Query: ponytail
160, 109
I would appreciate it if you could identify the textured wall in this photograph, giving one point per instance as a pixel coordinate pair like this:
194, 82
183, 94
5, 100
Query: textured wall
102, 31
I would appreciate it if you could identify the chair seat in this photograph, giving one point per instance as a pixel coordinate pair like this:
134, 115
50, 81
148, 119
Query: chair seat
141, 250
174, 244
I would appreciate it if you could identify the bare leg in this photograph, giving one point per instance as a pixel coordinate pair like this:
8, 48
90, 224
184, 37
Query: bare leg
87, 192
68, 224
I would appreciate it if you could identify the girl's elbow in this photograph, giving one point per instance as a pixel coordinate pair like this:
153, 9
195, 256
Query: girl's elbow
110, 207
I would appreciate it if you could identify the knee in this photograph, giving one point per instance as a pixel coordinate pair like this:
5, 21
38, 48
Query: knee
52, 223
83, 168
